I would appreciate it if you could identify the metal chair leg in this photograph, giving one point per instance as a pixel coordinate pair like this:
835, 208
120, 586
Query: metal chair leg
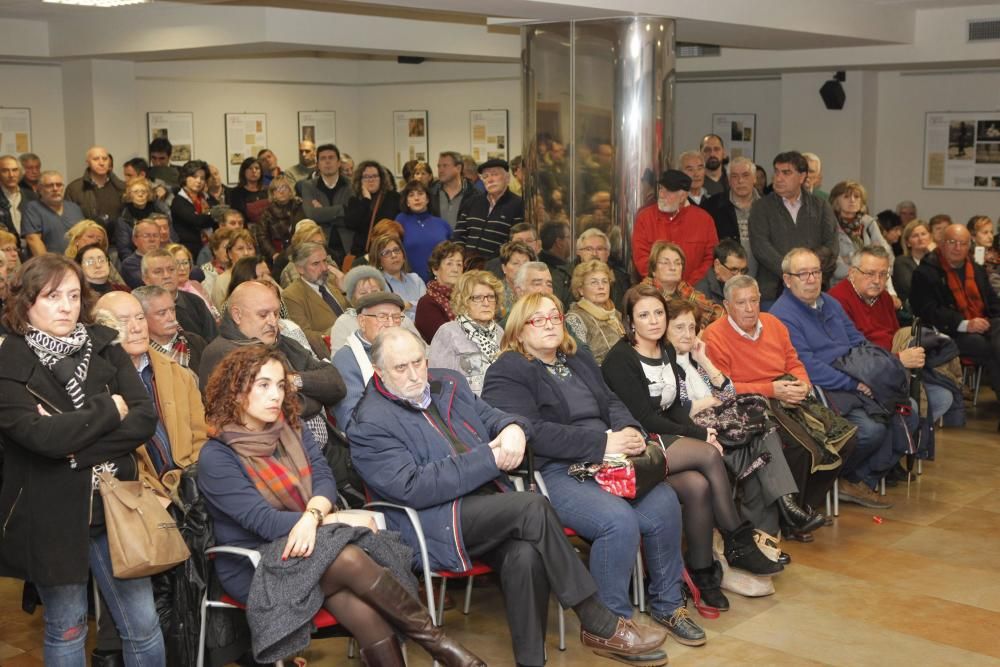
881, 487
468, 595
829, 503
920, 466
562, 628
350, 647
836, 499
975, 391
444, 583
640, 581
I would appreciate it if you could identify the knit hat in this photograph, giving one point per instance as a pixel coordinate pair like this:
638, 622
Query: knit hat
359, 274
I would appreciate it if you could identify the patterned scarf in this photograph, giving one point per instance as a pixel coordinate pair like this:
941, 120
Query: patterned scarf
559, 369
177, 349
276, 461
441, 295
852, 228
67, 358
967, 296
609, 317
486, 338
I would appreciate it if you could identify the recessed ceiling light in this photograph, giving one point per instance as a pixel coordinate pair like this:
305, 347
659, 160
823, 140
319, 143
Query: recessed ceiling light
98, 3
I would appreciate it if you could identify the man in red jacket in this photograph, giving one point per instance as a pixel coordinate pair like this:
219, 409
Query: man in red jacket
672, 219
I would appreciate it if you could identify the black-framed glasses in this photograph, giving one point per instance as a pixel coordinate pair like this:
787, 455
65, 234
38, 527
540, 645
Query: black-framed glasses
871, 275
806, 275
742, 271
385, 318
389, 252
483, 298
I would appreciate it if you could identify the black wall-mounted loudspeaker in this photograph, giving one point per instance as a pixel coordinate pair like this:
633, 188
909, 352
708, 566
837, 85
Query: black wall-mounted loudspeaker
833, 93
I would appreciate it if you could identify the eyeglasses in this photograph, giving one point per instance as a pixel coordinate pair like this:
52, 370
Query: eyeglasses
55, 186
95, 261
385, 318
806, 275
483, 298
598, 282
955, 243
182, 263
742, 271
148, 237
541, 320
390, 252
370, 177
870, 275
593, 250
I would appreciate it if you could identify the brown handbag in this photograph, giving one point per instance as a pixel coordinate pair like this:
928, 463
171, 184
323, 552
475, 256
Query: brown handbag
142, 537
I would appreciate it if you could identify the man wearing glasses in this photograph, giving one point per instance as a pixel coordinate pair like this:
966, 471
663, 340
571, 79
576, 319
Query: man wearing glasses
731, 211
145, 238
823, 335
46, 221
953, 293
730, 261
376, 311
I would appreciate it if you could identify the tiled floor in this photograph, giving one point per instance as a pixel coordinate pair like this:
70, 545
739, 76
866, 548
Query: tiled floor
920, 588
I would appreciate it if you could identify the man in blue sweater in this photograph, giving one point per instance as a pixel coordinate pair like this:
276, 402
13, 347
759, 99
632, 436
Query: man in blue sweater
822, 333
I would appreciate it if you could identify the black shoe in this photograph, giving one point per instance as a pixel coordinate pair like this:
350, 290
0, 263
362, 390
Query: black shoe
797, 518
107, 659
785, 559
742, 552
708, 581
682, 627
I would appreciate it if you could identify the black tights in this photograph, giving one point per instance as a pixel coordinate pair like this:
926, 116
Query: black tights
350, 575
699, 477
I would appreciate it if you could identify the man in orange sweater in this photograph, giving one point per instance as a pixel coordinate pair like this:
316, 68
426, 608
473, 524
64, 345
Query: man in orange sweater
752, 349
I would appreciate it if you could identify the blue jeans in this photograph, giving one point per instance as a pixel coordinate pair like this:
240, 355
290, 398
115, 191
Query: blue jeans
131, 605
939, 400
873, 455
614, 526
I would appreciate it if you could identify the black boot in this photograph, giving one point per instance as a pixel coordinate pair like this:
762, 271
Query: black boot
385, 653
709, 582
797, 518
405, 612
99, 658
742, 552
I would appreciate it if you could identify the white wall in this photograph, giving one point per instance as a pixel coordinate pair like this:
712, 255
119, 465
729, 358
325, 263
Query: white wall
39, 88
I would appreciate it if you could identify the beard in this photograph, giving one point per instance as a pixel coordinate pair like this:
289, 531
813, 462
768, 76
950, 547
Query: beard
713, 163
666, 207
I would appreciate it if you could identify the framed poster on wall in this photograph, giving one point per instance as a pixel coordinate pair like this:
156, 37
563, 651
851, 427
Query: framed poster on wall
489, 135
175, 126
319, 127
962, 150
738, 131
246, 135
15, 130
409, 138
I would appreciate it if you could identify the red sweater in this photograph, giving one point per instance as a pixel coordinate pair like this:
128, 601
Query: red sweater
691, 228
753, 365
878, 323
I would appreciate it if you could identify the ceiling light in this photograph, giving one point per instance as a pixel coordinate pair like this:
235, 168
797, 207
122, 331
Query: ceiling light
98, 3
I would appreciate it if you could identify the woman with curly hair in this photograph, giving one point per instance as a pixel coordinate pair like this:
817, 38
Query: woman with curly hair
373, 200
274, 233
593, 318
666, 266
434, 308
268, 487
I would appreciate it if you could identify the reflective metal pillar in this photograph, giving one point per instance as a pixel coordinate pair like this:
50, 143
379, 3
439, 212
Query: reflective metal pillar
598, 116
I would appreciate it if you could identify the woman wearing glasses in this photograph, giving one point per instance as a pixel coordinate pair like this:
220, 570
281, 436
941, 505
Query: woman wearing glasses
274, 233
593, 319
576, 418
666, 266
388, 256
97, 270
373, 200
470, 343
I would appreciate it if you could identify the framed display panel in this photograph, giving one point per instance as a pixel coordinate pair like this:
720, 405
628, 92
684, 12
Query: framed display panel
738, 131
319, 127
962, 150
489, 134
246, 135
410, 131
175, 126
15, 130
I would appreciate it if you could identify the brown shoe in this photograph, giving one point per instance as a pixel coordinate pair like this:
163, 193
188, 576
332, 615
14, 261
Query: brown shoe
629, 639
385, 653
860, 494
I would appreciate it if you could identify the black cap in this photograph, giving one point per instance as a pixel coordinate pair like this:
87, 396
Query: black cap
494, 162
378, 298
675, 180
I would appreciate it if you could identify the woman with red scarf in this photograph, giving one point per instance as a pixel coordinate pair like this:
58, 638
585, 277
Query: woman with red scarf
434, 307
189, 210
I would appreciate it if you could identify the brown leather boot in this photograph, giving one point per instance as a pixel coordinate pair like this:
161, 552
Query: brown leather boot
385, 653
405, 612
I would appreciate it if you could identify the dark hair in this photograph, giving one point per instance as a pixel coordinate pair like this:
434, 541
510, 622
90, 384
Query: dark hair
230, 382
411, 166
245, 166
262, 151
190, 168
677, 307
161, 145
522, 227
508, 249
443, 251
138, 164
322, 148
413, 186
940, 217
888, 219
80, 252
707, 137
384, 181
245, 270
728, 247
793, 158
455, 156
35, 276
632, 297
517, 162
379, 244
552, 232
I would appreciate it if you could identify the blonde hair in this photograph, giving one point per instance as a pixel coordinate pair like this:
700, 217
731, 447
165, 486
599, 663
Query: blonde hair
304, 230
468, 282
584, 269
77, 230
520, 313
132, 182
911, 226
174, 248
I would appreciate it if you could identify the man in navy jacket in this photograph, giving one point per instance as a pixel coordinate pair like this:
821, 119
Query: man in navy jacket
423, 439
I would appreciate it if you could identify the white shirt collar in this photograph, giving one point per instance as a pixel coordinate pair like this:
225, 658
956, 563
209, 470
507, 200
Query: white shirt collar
756, 332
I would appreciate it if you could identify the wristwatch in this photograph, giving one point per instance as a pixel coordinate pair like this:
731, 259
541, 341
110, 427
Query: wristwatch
296, 380
316, 514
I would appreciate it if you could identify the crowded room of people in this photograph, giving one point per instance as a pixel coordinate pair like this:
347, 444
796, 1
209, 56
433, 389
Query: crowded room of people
393, 334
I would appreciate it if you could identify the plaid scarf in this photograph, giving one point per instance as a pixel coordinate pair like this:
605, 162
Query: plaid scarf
966, 293
276, 462
441, 295
177, 349
66, 357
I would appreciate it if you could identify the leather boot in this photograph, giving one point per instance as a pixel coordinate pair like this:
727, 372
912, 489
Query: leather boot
796, 517
100, 658
385, 653
405, 612
709, 582
742, 552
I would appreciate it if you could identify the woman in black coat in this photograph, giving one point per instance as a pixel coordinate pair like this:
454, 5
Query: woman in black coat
72, 403
373, 200
190, 209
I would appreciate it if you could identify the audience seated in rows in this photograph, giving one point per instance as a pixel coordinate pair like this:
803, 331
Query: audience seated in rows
435, 308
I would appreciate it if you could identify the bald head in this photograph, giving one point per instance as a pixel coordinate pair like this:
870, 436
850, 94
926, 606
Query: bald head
122, 311
254, 308
955, 241
98, 161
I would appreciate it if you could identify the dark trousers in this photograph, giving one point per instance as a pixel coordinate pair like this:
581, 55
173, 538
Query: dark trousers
813, 485
520, 537
984, 349
760, 491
